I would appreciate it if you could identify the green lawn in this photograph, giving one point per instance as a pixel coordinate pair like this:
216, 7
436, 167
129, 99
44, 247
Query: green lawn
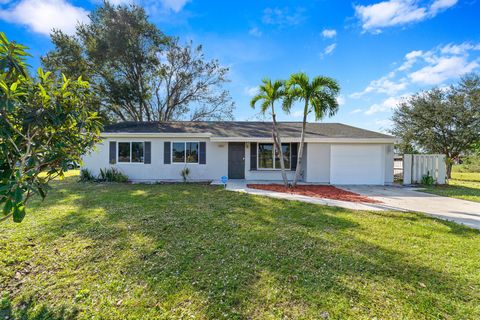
463, 185
112, 251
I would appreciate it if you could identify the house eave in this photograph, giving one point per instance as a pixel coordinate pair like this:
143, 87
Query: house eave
308, 140
241, 139
153, 135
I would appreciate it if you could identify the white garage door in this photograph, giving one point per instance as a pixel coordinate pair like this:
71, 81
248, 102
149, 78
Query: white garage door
357, 164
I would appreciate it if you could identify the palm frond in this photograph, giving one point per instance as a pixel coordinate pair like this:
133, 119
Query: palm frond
256, 98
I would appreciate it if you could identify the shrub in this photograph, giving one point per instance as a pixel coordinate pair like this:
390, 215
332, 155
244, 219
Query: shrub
86, 176
112, 175
185, 173
470, 164
427, 179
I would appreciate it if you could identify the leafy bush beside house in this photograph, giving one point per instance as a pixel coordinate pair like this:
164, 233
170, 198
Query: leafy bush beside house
45, 125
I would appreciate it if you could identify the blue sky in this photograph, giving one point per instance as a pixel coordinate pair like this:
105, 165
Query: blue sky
379, 51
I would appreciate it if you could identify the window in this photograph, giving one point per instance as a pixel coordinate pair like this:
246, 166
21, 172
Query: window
130, 152
192, 152
265, 155
124, 152
137, 151
268, 157
185, 152
286, 156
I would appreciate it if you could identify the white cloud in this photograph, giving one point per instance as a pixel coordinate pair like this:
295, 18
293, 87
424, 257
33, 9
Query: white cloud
255, 32
283, 17
174, 5
390, 13
445, 68
250, 91
383, 85
329, 33
384, 124
432, 67
354, 111
386, 105
341, 100
119, 2
439, 5
44, 15
410, 59
459, 49
329, 49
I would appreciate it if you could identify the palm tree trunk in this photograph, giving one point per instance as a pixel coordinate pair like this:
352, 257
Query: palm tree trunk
300, 149
278, 145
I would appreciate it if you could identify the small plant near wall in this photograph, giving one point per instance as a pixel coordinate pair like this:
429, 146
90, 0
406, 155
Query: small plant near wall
86, 176
427, 179
112, 175
185, 173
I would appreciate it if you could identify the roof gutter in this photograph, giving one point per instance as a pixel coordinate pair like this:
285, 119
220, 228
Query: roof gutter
241, 139
310, 140
153, 135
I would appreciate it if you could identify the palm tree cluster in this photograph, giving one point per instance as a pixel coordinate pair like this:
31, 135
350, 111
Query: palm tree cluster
319, 96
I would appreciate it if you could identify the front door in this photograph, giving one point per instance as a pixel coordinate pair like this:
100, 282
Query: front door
236, 160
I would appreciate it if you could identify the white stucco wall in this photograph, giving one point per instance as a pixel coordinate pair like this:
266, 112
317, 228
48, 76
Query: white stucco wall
215, 167
318, 163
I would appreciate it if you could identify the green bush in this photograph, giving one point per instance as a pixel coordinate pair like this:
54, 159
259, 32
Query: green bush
112, 175
427, 179
86, 176
470, 164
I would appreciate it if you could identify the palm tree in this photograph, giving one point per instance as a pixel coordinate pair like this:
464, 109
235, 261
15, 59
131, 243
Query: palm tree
270, 93
318, 95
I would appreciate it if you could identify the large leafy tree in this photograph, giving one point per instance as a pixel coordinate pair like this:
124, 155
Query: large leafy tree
319, 97
137, 72
443, 120
45, 123
269, 93
187, 86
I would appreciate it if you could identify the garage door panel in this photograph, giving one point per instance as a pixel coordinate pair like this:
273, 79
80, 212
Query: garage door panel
356, 164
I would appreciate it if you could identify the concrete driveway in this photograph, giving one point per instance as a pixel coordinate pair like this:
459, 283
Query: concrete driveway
407, 199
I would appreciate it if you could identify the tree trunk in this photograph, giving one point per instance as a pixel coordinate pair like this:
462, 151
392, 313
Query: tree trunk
278, 144
300, 149
449, 164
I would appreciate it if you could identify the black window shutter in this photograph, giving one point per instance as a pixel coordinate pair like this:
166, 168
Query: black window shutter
148, 153
113, 152
203, 153
166, 152
253, 156
294, 153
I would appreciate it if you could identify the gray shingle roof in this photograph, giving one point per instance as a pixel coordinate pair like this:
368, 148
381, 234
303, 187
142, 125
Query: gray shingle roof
245, 129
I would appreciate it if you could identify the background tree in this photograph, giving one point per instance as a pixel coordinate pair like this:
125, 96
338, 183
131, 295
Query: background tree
137, 72
45, 123
269, 93
187, 86
443, 121
319, 96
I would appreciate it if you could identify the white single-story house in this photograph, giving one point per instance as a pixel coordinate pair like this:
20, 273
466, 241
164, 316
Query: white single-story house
334, 153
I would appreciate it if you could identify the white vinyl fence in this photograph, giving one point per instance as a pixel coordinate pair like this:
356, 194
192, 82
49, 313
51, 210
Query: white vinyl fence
415, 166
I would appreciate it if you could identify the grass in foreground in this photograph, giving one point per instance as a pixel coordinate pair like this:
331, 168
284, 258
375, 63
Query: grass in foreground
463, 185
115, 251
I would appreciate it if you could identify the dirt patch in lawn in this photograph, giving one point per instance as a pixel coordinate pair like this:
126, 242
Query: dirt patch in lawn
317, 191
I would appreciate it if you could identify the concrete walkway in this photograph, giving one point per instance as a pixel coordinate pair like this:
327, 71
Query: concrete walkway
395, 198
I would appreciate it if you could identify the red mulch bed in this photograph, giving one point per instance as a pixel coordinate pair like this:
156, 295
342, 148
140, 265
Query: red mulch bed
317, 191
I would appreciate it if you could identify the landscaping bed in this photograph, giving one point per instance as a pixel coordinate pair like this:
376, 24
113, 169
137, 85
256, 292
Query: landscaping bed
317, 191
